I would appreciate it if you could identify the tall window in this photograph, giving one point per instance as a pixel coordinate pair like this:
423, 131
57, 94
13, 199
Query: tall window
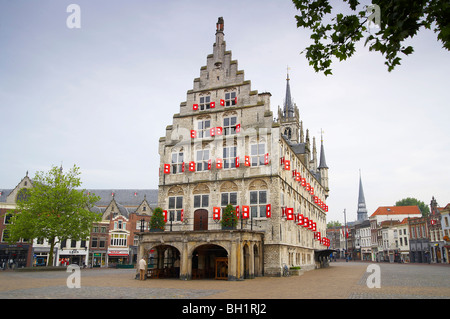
229, 125
258, 201
202, 160
118, 240
175, 207
204, 103
230, 99
228, 198
229, 157
203, 128
257, 154
201, 201
177, 162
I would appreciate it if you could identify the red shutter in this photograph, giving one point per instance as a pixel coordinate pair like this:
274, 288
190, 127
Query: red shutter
193, 133
300, 219
166, 168
247, 160
212, 105
268, 211
165, 215
237, 212
305, 222
236, 161
238, 128
218, 130
209, 164
212, 131
222, 102
266, 159
192, 166
245, 212
218, 163
290, 213
195, 107
216, 213
287, 165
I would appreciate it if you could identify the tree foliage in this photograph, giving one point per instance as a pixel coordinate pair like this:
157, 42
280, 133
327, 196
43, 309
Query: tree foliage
157, 219
332, 224
53, 209
409, 201
229, 217
399, 20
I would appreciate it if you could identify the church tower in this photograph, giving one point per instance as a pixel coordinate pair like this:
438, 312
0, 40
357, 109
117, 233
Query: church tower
323, 168
362, 210
289, 117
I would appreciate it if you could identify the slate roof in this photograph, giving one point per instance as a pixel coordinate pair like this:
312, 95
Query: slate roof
123, 197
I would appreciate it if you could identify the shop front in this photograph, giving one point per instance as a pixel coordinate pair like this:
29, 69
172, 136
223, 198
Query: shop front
15, 256
73, 256
118, 256
98, 259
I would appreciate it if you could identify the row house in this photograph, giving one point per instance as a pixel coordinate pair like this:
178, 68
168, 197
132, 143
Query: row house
383, 239
396, 234
112, 241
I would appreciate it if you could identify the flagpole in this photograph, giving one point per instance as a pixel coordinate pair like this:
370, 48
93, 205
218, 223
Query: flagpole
345, 236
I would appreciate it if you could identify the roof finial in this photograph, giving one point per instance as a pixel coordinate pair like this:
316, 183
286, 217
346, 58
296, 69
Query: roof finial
287, 72
219, 25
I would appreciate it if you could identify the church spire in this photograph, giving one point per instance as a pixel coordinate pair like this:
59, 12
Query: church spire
322, 163
362, 211
288, 110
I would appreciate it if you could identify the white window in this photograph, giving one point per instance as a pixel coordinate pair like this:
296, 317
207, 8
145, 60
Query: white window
177, 163
201, 201
229, 125
175, 207
202, 160
204, 103
229, 157
203, 128
228, 198
258, 202
257, 154
230, 98
118, 240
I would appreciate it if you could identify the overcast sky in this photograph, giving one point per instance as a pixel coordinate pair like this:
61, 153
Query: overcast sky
101, 96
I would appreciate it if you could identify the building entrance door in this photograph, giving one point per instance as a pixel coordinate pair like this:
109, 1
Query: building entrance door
201, 219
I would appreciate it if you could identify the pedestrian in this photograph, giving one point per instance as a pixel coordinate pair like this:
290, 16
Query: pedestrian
142, 268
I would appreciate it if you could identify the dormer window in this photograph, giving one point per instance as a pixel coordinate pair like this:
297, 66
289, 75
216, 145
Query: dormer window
230, 98
205, 103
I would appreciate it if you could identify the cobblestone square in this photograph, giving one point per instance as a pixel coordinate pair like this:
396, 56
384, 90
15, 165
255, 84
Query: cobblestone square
339, 281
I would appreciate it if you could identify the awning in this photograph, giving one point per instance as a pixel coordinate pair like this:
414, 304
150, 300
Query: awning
117, 255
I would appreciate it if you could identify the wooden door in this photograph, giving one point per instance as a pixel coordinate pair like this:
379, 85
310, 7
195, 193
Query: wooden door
201, 219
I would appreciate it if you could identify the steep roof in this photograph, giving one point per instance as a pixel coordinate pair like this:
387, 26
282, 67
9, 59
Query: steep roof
126, 197
397, 210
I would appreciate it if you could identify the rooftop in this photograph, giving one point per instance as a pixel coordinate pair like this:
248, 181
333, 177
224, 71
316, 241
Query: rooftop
397, 210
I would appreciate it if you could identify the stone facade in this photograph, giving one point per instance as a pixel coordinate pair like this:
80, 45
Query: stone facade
224, 147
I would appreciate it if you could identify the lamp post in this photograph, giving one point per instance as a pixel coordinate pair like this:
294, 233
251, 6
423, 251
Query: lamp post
345, 236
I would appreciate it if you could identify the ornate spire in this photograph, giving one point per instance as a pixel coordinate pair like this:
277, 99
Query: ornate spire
362, 211
288, 110
322, 163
